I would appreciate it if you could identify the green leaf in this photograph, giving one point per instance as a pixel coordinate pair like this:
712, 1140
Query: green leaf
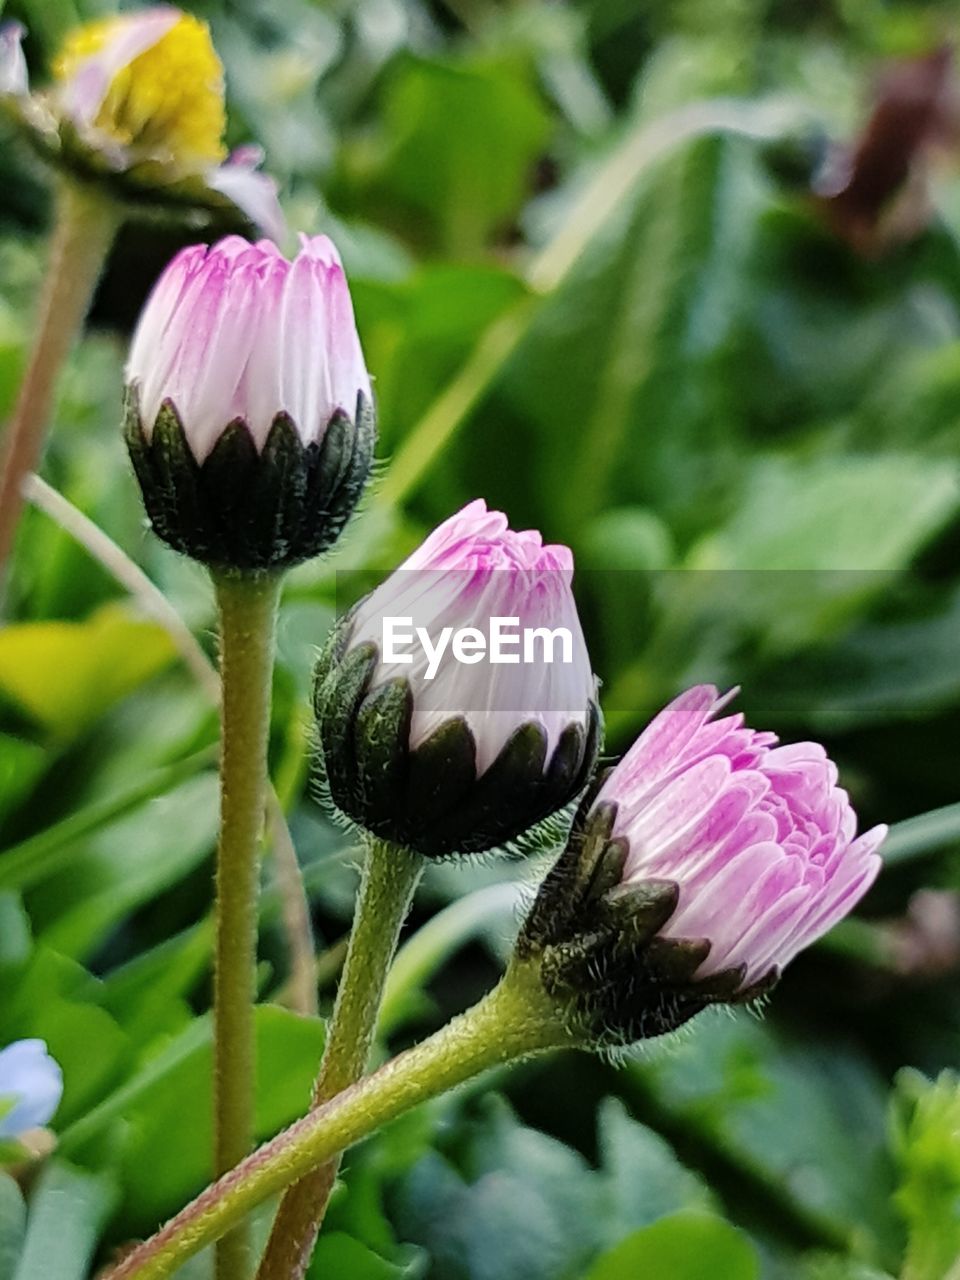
158, 1125
926, 1139
644, 1179
15, 934
881, 671
33, 859
337, 1254
13, 1219
502, 1227
628, 362
687, 1246
451, 187
493, 908
927, 833
815, 542
418, 332
843, 514
510, 1201
781, 1109
21, 764
120, 866
66, 674
67, 1210
835, 1268
56, 1000
148, 994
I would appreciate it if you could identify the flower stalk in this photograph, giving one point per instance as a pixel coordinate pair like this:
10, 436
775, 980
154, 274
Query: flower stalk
247, 607
516, 1020
390, 876
86, 224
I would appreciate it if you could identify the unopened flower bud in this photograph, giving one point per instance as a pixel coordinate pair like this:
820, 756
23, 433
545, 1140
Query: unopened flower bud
468, 749
31, 1084
249, 412
706, 860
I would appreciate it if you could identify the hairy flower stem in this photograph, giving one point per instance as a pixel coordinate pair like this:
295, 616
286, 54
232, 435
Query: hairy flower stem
248, 607
515, 1020
85, 226
390, 875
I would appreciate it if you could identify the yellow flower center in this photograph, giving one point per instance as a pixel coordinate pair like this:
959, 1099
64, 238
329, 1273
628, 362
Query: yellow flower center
170, 98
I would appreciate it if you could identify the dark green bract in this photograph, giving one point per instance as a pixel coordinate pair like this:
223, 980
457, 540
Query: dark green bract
599, 947
246, 509
430, 798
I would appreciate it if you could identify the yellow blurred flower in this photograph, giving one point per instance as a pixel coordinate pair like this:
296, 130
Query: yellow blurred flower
168, 98
137, 100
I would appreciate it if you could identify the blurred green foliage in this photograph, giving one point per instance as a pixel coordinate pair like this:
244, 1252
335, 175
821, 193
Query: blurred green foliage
593, 288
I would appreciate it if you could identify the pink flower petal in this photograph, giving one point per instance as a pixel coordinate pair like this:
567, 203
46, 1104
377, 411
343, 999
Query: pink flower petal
663, 740
238, 332
254, 194
81, 97
470, 569
13, 65
758, 837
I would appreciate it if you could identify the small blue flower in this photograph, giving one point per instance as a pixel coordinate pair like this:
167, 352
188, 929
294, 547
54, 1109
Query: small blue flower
31, 1084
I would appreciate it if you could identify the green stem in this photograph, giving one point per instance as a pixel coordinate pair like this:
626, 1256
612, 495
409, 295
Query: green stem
390, 875
84, 231
513, 1021
248, 608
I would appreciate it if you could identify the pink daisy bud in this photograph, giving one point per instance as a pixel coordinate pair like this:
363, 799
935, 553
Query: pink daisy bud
708, 858
456, 705
250, 417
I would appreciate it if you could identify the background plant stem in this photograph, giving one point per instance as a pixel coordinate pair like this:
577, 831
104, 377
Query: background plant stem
513, 1021
390, 875
149, 598
84, 230
248, 608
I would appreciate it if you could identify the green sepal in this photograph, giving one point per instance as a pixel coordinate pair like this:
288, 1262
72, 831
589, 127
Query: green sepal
501, 802
723, 986
637, 911
443, 768
599, 945
248, 509
430, 799
337, 472
146, 183
590, 859
381, 737
337, 698
674, 961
